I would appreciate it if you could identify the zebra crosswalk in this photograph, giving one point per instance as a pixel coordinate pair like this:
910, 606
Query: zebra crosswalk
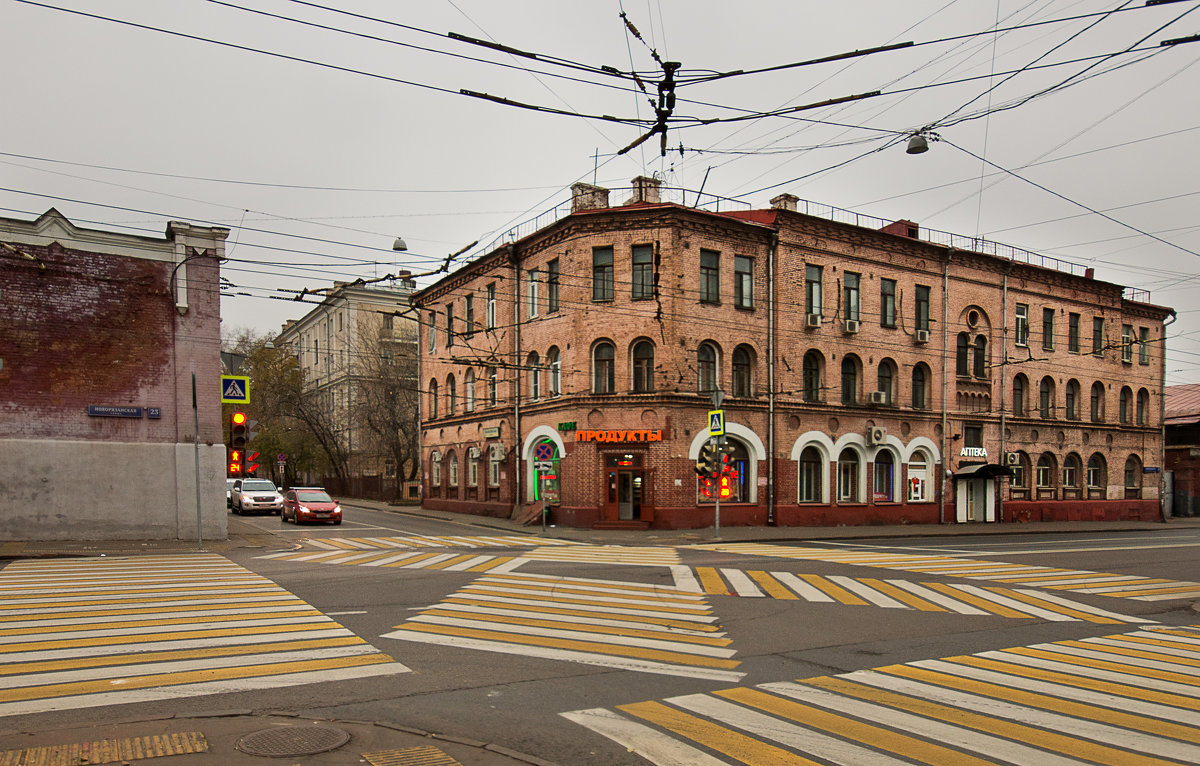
431, 541
1051, 578
1131, 699
892, 594
91, 632
423, 559
597, 622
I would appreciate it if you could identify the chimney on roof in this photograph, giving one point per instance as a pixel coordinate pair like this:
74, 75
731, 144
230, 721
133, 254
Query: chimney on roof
903, 228
785, 201
645, 190
588, 197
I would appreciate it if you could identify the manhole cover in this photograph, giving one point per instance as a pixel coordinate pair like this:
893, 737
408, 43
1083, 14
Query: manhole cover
290, 741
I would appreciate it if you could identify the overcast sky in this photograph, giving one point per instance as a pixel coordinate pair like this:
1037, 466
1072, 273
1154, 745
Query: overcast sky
318, 146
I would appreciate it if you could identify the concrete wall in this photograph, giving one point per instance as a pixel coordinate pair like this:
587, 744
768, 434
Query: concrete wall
87, 490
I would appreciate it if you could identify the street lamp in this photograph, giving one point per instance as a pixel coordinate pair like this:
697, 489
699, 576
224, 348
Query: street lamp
399, 245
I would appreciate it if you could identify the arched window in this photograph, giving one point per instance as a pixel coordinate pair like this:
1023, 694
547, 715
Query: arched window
1072, 399
733, 485
1020, 389
433, 399
920, 386
885, 477
1020, 475
1126, 404
813, 361
1097, 402
887, 380
1046, 405
849, 379
554, 359
469, 390
740, 367
706, 368
451, 395
918, 477
980, 365
435, 471
961, 361
533, 367
452, 468
603, 373
1143, 407
643, 366
811, 475
1070, 474
1133, 478
1045, 472
493, 387
848, 477
1097, 476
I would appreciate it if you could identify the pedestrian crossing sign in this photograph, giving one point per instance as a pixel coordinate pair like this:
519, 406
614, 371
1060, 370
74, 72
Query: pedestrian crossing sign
716, 423
235, 389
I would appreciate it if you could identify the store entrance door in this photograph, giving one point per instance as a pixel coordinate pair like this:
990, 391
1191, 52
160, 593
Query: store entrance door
629, 495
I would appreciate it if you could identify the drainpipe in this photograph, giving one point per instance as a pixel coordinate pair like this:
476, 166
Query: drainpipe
771, 249
520, 475
1162, 420
945, 387
1003, 388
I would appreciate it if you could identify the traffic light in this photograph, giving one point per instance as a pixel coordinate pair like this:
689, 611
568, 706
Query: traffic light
706, 464
251, 466
237, 430
235, 462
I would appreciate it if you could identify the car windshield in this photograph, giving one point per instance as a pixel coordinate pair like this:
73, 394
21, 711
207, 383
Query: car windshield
309, 496
258, 486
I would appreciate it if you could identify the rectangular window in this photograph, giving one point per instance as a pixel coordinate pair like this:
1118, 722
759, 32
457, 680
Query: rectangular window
1143, 345
973, 435
1021, 331
850, 294
887, 302
469, 320
432, 329
493, 469
602, 274
449, 325
922, 306
389, 322
1127, 343
643, 273
490, 309
472, 471
1018, 475
1073, 333
812, 289
743, 282
534, 278
710, 276
1048, 329
552, 286
1098, 336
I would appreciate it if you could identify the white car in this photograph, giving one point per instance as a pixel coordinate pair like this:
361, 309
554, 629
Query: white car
229, 492
255, 496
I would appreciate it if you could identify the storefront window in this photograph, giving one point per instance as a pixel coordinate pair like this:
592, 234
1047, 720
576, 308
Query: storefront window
731, 486
885, 475
848, 477
810, 475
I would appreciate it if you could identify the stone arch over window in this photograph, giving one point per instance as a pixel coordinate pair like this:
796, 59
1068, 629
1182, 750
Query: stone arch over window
433, 398
851, 475
920, 475
1072, 472
755, 451
469, 390
1133, 477
603, 367
814, 373
979, 364
851, 377
1097, 402
812, 452
1046, 401
885, 484
1097, 476
554, 362
642, 365
736, 481
887, 380
1143, 407
742, 369
533, 366
1072, 399
1020, 395
962, 363
451, 395
451, 463
535, 437
1019, 484
920, 386
435, 471
1046, 472
1126, 411
708, 367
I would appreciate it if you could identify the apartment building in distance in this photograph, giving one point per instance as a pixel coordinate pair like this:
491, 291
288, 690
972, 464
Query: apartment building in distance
871, 373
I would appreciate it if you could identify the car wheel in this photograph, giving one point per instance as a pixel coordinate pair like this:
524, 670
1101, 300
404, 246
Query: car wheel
338, 522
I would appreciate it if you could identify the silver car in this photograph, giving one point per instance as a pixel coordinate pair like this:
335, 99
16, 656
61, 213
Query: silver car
255, 496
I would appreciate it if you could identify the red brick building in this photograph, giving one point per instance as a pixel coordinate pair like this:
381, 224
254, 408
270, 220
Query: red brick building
1182, 420
100, 335
872, 372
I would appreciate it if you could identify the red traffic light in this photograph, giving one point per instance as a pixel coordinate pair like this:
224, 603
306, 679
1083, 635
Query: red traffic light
238, 418
237, 430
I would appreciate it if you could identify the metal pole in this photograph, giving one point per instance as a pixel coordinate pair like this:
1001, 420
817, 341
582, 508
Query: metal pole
196, 450
716, 496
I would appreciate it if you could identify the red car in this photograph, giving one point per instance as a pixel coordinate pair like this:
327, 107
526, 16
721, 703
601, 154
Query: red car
310, 504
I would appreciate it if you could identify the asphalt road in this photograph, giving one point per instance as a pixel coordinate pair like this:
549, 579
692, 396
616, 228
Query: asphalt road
501, 638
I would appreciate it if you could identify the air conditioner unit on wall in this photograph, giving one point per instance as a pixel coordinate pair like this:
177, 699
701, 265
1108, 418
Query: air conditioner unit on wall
851, 325
878, 397
876, 435
812, 320
1012, 458
922, 336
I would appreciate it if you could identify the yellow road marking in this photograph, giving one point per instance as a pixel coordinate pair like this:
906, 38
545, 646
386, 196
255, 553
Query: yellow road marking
744, 749
602, 629
585, 591
665, 621
1118, 667
266, 630
772, 586
485, 566
1053, 607
711, 582
973, 600
100, 626
1130, 652
904, 596
557, 599
832, 589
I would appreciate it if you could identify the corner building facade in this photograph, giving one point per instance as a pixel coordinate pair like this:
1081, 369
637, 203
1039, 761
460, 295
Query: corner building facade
871, 373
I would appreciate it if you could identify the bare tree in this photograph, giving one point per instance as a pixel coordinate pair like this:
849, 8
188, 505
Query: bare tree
387, 400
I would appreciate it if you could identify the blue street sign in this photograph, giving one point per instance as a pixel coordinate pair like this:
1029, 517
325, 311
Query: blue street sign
235, 389
716, 423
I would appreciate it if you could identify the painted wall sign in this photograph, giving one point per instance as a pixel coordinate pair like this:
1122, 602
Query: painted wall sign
154, 413
973, 452
620, 435
567, 426
113, 411
491, 433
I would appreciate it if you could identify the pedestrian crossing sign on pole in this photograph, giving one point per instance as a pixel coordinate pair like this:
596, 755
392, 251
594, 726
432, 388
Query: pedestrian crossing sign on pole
716, 423
235, 389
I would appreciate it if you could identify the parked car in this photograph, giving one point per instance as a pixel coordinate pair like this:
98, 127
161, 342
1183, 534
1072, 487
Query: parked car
310, 504
254, 496
229, 492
